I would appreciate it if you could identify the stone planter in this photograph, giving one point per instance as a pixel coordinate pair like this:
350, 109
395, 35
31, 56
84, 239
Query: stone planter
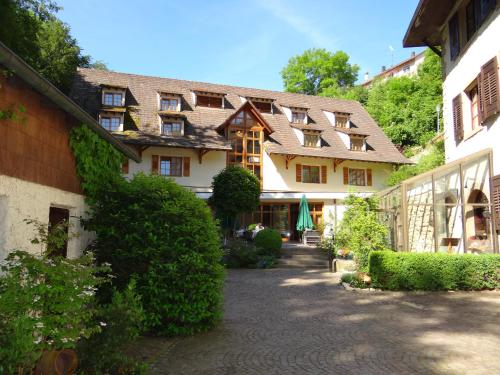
345, 265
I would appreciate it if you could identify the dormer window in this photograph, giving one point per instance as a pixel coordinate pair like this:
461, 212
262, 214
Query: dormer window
298, 117
170, 103
208, 99
341, 120
357, 143
264, 107
172, 128
111, 122
311, 139
113, 97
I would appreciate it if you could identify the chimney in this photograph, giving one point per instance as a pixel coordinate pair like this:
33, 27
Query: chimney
413, 54
383, 68
367, 77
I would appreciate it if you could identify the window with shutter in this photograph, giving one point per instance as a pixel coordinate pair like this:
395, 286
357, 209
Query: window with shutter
298, 173
323, 174
458, 118
369, 177
186, 166
495, 185
346, 176
490, 103
155, 164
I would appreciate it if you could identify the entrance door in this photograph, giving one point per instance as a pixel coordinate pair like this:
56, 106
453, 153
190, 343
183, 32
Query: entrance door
57, 216
294, 215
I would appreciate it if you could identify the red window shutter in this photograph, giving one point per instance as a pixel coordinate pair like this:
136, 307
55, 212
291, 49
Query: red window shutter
155, 164
495, 197
369, 177
323, 174
186, 164
298, 172
458, 124
490, 103
125, 167
346, 176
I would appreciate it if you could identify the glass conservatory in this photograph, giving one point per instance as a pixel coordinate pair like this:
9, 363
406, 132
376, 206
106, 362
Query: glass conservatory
445, 210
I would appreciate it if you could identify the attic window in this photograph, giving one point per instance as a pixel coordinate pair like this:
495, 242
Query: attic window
311, 140
264, 107
170, 103
111, 122
113, 99
341, 120
298, 117
209, 101
172, 128
357, 143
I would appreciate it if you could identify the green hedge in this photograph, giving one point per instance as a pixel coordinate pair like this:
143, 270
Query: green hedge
269, 241
434, 271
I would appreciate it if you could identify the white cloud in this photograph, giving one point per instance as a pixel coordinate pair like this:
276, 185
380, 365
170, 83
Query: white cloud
297, 21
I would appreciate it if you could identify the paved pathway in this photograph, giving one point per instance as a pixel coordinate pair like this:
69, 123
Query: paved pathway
298, 321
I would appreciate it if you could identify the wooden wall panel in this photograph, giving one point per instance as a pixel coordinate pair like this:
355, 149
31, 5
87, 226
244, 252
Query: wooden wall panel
36, 148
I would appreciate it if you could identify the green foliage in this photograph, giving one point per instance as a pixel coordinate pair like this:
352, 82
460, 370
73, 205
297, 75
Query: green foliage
434, 271
97, 162
360, 231
433, 159
405, 107
269, 240
121, 323
317, 70
235, 190
161, 234
99, 65
328, 245
242, 254
354, 279
31, 29
45, 304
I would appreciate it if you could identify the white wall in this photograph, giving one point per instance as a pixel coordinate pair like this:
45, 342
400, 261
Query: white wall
21, 200
459, 74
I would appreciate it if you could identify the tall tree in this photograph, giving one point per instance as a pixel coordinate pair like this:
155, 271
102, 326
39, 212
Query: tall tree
317, 70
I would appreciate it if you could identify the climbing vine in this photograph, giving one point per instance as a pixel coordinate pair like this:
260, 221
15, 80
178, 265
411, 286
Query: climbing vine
13, 113
97, 162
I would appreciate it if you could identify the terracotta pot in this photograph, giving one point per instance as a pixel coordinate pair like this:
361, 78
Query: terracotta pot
57, 362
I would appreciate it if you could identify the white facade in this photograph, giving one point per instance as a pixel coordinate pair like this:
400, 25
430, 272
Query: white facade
459, 74
20, 200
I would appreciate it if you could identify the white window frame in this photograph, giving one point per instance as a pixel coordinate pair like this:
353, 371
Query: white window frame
363, 147
165, 96
295, 110
306, 133
112, 115
113, 92
171, 121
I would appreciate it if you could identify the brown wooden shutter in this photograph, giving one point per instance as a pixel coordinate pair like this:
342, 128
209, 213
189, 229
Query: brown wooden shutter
323, 174
490, 103
186, 164
495, 197
125, 167
369, 181
458, 124
346, 176
298, 172
155, 164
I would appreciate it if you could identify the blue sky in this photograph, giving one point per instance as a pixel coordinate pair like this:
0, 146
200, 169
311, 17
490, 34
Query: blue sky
242, 43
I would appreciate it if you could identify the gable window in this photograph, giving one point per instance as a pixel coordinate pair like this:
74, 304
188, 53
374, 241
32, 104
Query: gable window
311, 140
209, 101
111, 123
357, 177
298, 117
341, 121
171, 166
454, 33
311, 174
171, 128
114, 99
169, 104
357, 143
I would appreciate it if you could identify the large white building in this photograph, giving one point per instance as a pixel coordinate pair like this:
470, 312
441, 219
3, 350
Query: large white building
296, 144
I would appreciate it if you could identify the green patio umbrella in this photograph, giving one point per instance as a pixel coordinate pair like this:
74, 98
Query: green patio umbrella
304, 221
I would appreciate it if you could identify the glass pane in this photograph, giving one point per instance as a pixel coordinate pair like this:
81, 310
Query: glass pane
477, 181
448, 188
421, 228
478, 229
449, 228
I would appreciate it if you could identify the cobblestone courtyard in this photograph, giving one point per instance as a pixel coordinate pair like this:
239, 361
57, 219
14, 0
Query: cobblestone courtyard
298, 321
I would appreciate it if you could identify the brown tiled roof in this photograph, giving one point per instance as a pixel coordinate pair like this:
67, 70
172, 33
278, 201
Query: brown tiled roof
201, 123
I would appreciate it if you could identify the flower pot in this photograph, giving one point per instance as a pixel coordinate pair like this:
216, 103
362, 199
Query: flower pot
57, 362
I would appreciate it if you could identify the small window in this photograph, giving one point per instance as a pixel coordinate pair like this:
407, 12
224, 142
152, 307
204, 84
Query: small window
454, 32
310, 174
473, 95
209, 101
357, 177
169, 104
171, 166
263, 107
341, 121
311, 140
171, 128
406, 69
357, 144
113, 99
298, 117
111, 123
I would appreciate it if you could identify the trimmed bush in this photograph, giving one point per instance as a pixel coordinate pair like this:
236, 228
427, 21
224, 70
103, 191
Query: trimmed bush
240, 254
269, 241
162, 235
434, 271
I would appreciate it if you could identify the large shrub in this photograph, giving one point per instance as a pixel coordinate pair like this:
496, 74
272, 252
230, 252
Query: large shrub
360, 232
269, 241
242, 254
236, 190
434, 271
161, 234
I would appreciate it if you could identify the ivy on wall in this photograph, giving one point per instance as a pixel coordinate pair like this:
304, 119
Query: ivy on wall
97, 162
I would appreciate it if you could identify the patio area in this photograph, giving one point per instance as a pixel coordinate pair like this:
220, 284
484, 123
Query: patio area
299, 321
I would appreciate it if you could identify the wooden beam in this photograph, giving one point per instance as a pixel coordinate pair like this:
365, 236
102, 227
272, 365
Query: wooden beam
336, 163
141, 149
201, 153
289, 158
433, 48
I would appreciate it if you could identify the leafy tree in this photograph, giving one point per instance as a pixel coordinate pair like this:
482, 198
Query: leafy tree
236, 190
31, 29
360, 231
99, 65
317, 70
